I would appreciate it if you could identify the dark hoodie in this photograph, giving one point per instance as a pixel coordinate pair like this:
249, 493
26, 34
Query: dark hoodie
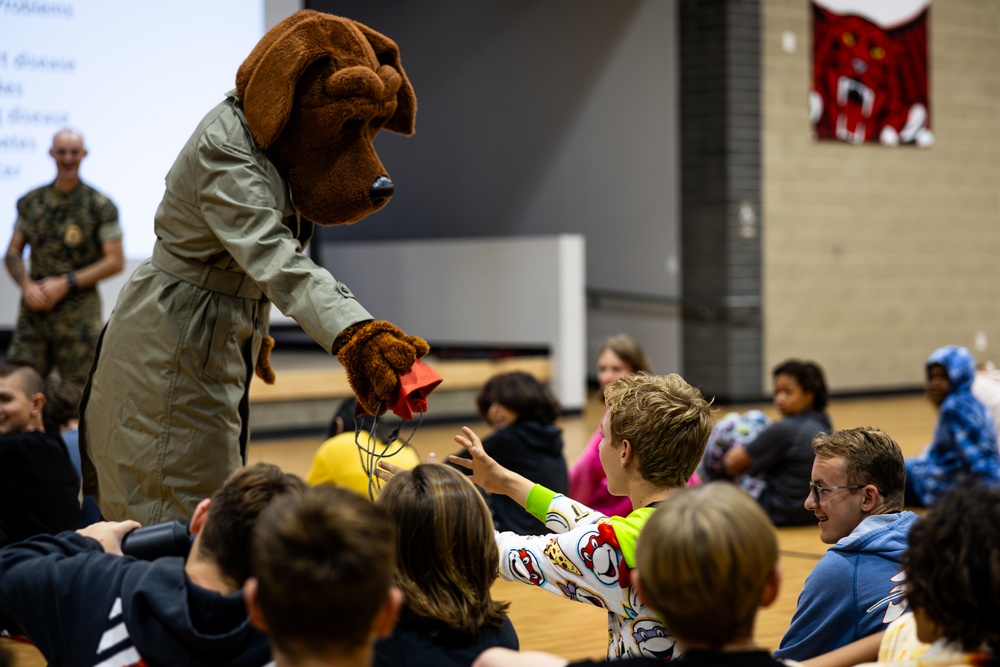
533, 449
82, 608
965, 441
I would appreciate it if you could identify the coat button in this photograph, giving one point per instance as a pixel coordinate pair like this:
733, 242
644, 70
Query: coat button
344, 290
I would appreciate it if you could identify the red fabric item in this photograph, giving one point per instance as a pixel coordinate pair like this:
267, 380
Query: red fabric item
414, 386
607, 531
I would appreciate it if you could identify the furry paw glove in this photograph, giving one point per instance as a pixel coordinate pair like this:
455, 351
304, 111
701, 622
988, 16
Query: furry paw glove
374, 353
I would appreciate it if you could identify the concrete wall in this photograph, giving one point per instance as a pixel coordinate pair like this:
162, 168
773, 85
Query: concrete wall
874, 256
524, 291
543, 117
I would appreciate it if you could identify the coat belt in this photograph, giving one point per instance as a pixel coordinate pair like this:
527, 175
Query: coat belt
204, 275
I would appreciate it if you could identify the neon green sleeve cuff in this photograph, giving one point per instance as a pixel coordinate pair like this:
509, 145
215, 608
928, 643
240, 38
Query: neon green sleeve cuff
539, 499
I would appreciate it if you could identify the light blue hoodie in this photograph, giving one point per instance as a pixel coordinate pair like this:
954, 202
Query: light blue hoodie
856, 589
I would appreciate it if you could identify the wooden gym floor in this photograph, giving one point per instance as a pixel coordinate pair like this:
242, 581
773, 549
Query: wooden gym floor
542, 618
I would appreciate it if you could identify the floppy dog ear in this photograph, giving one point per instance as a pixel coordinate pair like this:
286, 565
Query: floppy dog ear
266, 80
403, 121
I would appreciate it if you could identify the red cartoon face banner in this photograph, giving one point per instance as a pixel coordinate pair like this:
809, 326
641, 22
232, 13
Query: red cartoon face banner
870, 72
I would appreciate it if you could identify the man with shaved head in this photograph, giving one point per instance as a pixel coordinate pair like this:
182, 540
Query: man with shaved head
75, 242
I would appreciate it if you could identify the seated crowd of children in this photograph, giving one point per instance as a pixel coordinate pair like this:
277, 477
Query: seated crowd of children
383, 560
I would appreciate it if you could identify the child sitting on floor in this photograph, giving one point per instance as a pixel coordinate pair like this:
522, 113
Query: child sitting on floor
706, 560
952, 570
525, 439
354, 445
618, 356
446, 562
965, 439
772, 461
654, 435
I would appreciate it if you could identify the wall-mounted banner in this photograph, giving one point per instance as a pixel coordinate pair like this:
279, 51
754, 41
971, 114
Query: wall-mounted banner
870, 72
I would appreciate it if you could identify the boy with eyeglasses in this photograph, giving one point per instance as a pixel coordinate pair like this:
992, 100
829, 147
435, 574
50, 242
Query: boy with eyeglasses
857, 588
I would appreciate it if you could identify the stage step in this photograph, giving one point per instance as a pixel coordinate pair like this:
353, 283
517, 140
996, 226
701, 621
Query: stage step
310, 386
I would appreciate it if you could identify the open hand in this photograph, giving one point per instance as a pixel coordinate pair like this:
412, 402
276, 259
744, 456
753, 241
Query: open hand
486, 472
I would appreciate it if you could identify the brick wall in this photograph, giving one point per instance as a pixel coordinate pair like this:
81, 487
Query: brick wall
874, 256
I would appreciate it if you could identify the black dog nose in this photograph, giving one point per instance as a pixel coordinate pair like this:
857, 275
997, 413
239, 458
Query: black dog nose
381, 190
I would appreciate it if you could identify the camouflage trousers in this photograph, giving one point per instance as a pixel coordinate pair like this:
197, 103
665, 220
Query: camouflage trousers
63, 338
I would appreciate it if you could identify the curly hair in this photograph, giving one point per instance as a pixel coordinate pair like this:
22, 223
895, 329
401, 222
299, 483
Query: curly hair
666, 420
521, 393
953, 566
810, 377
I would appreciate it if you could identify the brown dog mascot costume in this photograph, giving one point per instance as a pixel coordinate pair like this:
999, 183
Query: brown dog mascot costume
165, 411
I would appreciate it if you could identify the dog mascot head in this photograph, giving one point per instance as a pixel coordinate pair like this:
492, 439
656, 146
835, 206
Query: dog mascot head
316, 90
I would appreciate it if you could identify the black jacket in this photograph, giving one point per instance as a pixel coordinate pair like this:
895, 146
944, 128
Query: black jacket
533, 449
411, 645
39, 488
82, 607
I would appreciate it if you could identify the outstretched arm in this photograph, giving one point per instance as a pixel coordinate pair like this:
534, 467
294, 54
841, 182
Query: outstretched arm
489, 474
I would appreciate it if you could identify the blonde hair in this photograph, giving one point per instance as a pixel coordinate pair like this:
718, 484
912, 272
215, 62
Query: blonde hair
447, 557
704, 558
666, 420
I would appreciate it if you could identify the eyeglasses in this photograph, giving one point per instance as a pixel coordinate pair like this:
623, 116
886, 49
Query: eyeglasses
816, 490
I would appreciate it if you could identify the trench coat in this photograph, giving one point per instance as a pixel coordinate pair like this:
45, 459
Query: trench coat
164, 414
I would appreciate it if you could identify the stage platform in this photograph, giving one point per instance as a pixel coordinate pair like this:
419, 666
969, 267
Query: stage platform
310, 385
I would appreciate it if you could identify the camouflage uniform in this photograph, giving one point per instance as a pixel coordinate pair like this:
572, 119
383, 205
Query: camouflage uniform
66, 232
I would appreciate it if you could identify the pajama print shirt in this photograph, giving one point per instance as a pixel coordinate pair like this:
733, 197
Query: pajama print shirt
588, 559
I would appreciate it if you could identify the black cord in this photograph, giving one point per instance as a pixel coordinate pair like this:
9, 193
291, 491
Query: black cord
367, 451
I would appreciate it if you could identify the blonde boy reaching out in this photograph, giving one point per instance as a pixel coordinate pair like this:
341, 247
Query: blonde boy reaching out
654, 435
707, 561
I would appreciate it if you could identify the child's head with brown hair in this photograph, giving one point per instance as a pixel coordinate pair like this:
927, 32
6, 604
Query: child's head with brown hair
952, 569
62, 404
519, 393
799, 386
322, 584
234, 511
666, 420
447, 555
618, 356
707, 561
